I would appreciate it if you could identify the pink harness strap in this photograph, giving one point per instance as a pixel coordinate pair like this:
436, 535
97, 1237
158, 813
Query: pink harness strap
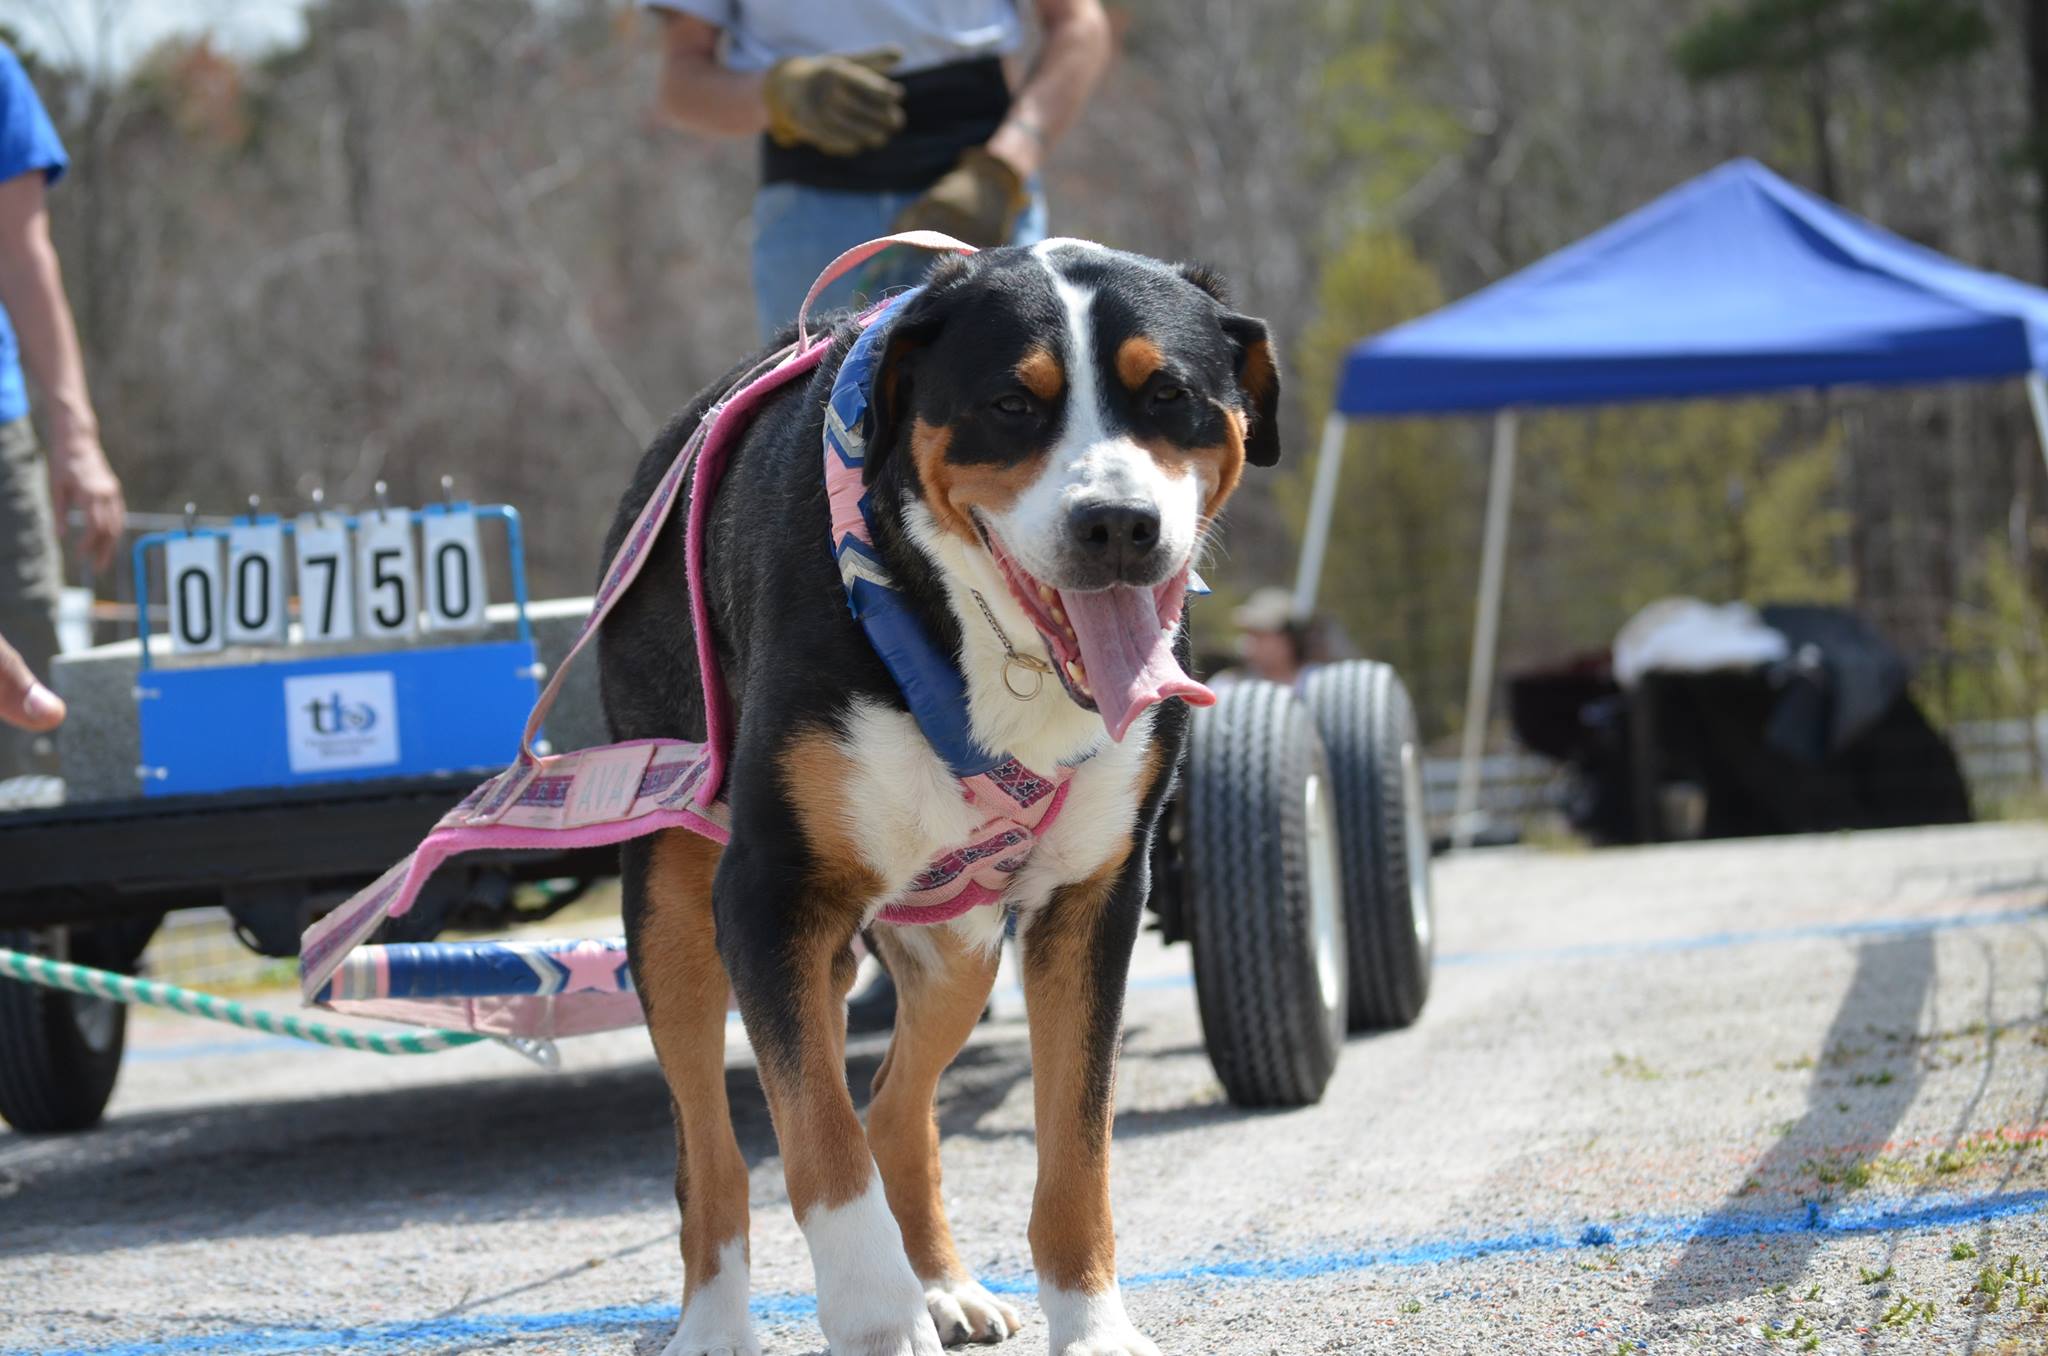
605, 795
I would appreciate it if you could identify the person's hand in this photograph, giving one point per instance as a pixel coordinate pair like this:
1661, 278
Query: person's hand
978, 201
841, 104
24, 702
81, 479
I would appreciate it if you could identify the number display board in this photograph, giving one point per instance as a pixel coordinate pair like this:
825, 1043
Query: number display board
418, 711
354, 693
384, 576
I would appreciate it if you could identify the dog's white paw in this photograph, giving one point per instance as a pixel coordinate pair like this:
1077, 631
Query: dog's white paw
917, 1338
964, 1312
682, 1344
869, 1300
715, 1321
713, 1339
1091, 1325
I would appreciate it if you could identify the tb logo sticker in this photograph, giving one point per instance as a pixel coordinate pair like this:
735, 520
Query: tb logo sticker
336, 721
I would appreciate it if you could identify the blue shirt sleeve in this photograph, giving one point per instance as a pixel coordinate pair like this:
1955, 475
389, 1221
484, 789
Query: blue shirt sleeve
28, 140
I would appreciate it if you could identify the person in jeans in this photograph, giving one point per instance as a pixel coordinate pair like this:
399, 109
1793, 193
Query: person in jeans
878, 116
36, 328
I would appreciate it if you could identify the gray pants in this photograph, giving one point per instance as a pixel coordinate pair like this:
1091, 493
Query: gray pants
31, 572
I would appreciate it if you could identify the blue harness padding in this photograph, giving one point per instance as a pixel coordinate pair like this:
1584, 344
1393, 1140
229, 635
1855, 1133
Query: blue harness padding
928, 677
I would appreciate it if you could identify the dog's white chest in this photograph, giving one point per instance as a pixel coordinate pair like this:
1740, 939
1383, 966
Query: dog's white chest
905, 808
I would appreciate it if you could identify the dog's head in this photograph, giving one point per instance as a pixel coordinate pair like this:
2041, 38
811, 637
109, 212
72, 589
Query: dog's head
1080, 415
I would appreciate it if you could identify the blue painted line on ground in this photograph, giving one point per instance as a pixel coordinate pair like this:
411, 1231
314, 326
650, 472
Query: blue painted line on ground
1945, 1212
255, 1045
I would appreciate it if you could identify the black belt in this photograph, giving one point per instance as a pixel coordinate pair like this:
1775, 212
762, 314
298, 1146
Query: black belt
946, 109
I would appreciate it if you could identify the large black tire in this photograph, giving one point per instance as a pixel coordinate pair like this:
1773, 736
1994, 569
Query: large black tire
1261, 897
59, 1052
1367, 723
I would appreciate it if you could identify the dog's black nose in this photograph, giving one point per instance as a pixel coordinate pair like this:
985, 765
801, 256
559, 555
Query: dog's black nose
1117, 535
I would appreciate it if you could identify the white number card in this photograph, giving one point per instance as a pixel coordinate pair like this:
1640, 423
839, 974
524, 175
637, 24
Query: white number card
387, 572
327, 601
454, 571
193, 586
255, 604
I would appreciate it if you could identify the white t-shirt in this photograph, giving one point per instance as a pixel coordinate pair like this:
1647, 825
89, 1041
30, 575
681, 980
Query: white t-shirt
759, 33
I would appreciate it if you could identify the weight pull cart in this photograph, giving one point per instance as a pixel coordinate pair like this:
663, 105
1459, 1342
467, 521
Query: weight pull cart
224, 761
279, 769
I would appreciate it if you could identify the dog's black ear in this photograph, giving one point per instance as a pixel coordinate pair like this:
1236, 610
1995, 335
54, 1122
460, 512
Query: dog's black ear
1258, 377
1206, 278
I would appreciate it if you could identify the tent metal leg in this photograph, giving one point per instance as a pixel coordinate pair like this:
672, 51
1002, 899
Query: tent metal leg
1500, 490
1322, 504
2037, 396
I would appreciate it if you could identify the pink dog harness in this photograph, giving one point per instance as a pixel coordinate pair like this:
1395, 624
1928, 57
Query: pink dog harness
607, 794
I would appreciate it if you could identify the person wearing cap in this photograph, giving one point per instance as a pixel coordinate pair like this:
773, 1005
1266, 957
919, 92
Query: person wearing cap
876, 116
1271, 640
38, 493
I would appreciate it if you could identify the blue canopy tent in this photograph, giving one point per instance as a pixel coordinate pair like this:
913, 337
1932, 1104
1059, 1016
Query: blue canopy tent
1736, 283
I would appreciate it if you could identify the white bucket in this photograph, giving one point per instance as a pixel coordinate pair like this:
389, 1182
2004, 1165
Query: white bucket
74, 620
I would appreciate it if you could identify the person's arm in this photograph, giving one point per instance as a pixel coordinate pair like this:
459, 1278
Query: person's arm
1071, 58
980, 199
697, 91
24, 702
841, 103
32, 290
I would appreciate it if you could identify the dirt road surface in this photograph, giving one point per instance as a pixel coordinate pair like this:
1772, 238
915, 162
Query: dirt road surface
1775, 1096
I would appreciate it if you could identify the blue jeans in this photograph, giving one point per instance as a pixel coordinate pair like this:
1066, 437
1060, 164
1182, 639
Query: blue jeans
799, 230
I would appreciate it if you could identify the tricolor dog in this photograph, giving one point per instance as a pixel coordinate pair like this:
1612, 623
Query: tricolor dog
1020, 461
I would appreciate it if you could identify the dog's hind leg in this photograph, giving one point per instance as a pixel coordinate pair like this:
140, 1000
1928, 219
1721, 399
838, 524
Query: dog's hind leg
682, 985
1077, 956
942, 985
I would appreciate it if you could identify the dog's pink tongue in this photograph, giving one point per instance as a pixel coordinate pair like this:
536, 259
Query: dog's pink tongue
1128, 655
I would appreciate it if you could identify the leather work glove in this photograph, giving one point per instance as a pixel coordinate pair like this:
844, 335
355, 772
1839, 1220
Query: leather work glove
978, 201
840, 104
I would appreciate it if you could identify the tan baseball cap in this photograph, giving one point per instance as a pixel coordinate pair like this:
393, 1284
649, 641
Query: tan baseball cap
1268, 609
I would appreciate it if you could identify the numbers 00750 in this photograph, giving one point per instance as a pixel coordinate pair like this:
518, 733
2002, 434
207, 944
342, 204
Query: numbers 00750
382, 576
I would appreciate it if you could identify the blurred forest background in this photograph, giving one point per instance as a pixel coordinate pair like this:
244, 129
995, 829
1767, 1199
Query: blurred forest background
450, 236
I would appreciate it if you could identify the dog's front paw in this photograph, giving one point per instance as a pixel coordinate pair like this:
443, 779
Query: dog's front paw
682, 1344
1091, 1325
706, 1337
869, 1301
715, 1320
917, 1338
1127, 1341
964, 1312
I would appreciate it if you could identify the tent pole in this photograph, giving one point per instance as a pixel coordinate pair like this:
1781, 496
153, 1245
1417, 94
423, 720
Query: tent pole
1322, 503
1500, 489
2037, 396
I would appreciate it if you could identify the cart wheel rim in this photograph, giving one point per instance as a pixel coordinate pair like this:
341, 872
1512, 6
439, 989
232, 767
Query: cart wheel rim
1415, 830
96, 1020
1324, 899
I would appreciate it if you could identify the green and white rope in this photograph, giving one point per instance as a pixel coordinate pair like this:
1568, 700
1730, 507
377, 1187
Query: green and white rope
84, 979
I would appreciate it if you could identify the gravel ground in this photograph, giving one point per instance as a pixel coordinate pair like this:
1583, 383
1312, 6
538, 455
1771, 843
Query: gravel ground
1773, 1096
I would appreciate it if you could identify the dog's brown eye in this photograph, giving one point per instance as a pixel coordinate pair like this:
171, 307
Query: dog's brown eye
1166, 395
1011, 404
